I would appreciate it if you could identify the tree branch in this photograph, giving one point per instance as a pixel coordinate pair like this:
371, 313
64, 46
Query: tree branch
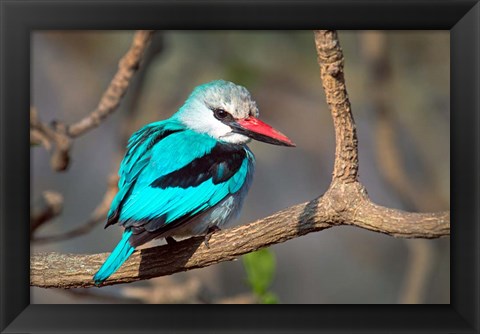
110, 100
345, 203
73, 270
390, 160
330, 59
47, 207
61, 134
96, 217
165, 291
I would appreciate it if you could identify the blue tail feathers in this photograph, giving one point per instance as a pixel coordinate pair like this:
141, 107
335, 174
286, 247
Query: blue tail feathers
119, 255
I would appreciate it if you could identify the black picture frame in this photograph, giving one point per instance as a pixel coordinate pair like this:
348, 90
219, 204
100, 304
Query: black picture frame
18, 18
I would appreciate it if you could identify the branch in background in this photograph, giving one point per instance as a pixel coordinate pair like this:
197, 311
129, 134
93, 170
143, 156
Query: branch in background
169, 291
244, 298
38, 136
164, 291
101, 297
345, 203
422, 261
47, 207
110, 100
52, 138
391, 166
132, 98
41, 134
97, 216
60, 135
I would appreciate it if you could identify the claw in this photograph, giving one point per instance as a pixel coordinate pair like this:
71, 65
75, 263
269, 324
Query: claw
211, 230
170, 241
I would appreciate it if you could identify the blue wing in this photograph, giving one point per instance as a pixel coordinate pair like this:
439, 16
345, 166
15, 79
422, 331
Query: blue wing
136, 159
169, 175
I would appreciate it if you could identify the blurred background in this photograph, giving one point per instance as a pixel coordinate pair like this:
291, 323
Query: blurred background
398, 84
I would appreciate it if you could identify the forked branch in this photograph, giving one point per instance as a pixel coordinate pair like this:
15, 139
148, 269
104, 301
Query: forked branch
73, 270
345, 203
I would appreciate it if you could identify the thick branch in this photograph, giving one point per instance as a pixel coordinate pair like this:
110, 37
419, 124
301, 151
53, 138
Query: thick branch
402, 224
345, 203
73, 270
330, 59
60, 135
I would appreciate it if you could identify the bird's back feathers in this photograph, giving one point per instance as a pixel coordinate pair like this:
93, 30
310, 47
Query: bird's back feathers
190, 172
138, 155
171, 174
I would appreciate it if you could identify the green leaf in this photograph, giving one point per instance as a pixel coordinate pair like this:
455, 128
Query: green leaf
269, 298
260, 269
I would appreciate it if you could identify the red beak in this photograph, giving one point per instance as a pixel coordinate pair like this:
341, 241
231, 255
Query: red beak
258, 130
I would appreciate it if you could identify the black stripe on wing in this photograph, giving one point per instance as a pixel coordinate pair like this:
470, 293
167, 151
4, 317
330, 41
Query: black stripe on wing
220, 164
149, 229
156, 134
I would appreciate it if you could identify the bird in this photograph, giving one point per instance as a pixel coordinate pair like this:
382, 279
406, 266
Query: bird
189, 174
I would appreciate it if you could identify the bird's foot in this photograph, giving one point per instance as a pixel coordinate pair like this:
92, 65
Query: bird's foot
170, 241
210, 231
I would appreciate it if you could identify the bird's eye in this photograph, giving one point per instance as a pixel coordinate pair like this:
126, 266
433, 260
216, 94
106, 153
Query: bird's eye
220, 113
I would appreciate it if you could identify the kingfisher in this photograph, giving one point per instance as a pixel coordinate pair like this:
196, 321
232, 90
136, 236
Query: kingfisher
189, 174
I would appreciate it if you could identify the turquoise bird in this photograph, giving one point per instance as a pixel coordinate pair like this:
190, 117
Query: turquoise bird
189, 174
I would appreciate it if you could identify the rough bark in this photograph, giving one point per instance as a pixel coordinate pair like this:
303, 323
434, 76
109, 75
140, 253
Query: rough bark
330, 59
352, 208
345, 203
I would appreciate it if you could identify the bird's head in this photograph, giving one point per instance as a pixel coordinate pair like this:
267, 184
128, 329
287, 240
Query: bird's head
227, 112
